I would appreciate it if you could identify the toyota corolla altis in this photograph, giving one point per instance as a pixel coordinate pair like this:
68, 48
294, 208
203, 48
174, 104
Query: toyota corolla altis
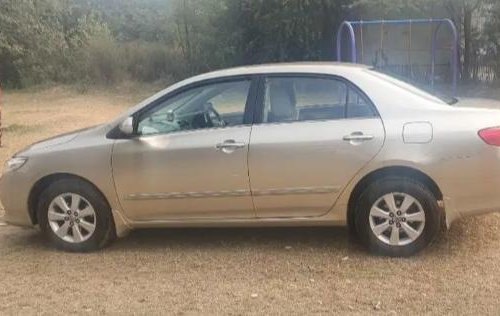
292, 144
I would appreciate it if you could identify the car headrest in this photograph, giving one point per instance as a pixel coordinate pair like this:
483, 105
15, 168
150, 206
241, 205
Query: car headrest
283, 103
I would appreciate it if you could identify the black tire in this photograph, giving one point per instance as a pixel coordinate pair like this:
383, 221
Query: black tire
104, 231
387, 185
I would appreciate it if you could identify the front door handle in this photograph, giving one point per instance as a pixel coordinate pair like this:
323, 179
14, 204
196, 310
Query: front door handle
358, 137
229, 146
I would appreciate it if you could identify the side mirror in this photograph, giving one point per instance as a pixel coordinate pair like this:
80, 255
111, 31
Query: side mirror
127, 126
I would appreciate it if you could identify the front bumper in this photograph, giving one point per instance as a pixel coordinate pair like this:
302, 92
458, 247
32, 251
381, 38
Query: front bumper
14, 192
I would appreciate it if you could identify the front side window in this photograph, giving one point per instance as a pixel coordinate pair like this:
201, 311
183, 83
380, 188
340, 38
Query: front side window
291, 99
209, 106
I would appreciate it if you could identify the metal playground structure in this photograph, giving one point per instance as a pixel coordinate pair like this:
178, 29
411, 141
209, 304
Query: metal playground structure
417, 49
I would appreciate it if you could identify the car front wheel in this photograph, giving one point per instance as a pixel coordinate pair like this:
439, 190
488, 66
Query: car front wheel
74, 216
397, 217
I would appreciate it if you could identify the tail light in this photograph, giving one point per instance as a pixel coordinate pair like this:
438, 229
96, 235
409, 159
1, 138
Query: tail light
491, 136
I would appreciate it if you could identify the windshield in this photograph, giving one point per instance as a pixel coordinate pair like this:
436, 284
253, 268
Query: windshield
408, 85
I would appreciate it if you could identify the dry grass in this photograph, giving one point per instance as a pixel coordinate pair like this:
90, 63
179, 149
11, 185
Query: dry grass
229, 271
29, 116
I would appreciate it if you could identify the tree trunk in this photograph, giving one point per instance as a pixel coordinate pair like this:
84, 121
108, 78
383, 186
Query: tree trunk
328, 31
467, 44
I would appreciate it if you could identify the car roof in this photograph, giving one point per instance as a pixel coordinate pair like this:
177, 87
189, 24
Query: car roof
297, 67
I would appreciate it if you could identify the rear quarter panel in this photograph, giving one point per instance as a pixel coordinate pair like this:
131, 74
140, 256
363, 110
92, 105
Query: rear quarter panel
466, 169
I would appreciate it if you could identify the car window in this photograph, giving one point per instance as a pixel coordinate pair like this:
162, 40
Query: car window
358, 105
289, 99
213, 105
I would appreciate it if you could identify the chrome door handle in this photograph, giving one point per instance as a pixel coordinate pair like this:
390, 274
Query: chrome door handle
358, 137
229, 145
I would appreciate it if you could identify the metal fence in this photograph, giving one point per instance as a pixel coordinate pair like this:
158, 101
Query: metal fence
421, 73
486, 69
481, 72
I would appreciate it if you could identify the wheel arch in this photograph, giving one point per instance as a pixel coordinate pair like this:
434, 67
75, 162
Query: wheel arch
400, 171
47, 180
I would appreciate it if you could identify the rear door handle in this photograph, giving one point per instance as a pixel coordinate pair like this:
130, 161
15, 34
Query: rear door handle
229, 145
358, 137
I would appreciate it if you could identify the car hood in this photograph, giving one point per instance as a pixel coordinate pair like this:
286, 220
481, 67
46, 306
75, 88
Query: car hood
55, 141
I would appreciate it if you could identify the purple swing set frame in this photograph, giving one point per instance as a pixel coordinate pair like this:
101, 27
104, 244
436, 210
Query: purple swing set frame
350, 25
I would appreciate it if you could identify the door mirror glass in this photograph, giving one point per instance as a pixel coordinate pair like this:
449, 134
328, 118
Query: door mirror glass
127, 126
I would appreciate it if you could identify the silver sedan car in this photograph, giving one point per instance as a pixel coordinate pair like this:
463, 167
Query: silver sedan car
306, 144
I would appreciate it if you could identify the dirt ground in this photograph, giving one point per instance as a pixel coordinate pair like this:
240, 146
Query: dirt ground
229, 271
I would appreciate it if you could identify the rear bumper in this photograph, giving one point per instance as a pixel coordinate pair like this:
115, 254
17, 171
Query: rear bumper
454, 212
14, 192
473, 193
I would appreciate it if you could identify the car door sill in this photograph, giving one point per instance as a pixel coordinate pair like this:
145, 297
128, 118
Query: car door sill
252, 222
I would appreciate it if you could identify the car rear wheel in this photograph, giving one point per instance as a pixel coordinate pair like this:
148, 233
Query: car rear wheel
397, 217
74, 216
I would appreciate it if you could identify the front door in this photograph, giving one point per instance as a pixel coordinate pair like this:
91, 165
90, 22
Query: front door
315, 134
189, 159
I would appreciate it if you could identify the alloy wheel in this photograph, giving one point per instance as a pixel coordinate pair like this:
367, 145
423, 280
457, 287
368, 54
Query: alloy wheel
72, 218
397, 219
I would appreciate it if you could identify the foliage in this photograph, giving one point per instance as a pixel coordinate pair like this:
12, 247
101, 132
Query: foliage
105, 41
491, 38
38, 40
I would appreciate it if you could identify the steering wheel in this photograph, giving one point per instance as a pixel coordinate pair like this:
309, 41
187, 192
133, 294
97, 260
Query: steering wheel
213, 118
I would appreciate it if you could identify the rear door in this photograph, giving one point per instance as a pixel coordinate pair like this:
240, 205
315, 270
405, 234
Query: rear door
313, 135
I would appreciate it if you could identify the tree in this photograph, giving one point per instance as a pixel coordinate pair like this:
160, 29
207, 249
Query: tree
491, 38
148, 40
280, 30
462, 13
39, 40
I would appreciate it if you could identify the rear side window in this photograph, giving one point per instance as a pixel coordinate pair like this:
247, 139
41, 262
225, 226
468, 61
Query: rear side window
293, 99
357, 105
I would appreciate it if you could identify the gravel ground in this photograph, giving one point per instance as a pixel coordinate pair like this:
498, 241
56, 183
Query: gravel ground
231, 271
252, 271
